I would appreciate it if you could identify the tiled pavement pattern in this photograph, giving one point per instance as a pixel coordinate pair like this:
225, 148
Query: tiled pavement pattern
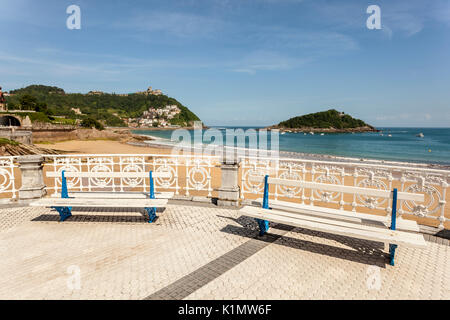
187, 285
122, 257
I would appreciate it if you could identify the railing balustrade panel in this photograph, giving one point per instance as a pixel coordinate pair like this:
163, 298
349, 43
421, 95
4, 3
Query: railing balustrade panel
433, 183
189, 175
9, 178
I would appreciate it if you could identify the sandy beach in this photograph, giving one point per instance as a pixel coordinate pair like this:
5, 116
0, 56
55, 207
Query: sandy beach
103, 147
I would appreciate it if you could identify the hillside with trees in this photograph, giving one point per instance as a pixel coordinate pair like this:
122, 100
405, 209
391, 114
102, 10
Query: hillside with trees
325, 121
110, 109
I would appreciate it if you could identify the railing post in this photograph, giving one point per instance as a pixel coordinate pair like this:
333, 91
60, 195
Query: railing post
229, 191
32, 172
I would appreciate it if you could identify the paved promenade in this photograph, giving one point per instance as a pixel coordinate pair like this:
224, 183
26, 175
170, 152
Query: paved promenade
201, 252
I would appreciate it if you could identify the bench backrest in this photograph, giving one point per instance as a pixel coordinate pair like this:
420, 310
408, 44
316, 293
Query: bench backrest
344, 189
75, 174
394, 194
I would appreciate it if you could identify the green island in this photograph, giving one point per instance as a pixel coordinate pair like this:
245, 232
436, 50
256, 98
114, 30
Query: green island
51, 104
325, 121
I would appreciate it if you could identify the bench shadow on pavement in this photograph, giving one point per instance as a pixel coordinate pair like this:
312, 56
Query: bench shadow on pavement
363, 251
93, 215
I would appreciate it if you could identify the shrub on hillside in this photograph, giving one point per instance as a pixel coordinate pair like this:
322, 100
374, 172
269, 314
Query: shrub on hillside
91, 123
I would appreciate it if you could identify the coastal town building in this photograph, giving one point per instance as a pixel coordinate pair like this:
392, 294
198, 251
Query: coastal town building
77, 111
155, 117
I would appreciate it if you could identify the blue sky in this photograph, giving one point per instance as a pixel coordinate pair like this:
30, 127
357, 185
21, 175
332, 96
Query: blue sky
242, 62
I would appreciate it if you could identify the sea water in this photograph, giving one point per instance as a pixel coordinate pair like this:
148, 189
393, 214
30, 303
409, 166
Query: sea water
391, 144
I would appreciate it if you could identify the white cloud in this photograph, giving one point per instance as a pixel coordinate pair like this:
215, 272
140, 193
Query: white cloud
407, 23
177, 24
266, 61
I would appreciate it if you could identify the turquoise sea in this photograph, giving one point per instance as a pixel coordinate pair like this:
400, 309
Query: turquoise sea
392, 144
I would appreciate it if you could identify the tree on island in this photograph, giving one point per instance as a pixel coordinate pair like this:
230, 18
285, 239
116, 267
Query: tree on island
324, 120
91, 123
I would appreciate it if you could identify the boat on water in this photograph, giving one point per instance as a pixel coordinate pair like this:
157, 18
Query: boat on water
311, 133
420, 135
322, 134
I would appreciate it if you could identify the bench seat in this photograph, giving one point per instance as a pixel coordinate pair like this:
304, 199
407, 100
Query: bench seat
337, 227
103, 203
356, 217
335, 221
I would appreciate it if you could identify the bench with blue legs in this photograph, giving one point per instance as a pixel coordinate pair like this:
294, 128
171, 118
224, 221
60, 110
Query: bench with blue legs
64, 203
341, 222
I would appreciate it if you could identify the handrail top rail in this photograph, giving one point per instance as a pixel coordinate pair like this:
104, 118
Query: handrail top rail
130, 155
405, 166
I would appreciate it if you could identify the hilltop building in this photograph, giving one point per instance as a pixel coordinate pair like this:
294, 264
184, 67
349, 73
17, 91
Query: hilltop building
150, 91
96, 93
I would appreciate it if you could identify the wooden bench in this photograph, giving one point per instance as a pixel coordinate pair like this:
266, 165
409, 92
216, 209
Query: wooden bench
148, 201
346, 223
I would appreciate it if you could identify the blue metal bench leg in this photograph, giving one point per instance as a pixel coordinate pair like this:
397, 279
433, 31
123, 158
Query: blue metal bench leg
392, 247
64, 212
151, 214
151, 211
263, 226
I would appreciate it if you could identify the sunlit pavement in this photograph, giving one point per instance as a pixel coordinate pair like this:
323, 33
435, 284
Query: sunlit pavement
202, 252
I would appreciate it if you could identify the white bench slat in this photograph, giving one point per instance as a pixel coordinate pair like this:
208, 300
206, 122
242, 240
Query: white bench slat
356, 217
328, 221
344, 189
361, 231
75, 174
103, 203
118, 195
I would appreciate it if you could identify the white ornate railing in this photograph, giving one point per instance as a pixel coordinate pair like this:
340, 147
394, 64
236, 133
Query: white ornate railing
199, 176
8, 183
431, 182
187, 173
